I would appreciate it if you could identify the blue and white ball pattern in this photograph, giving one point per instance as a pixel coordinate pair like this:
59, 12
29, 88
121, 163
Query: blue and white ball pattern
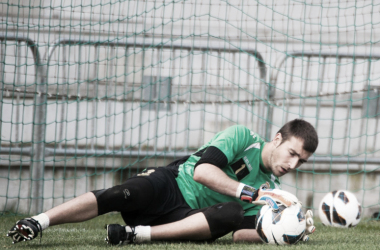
340, 209
283, 227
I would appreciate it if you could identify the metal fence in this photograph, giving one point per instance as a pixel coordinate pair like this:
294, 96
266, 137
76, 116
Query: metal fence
54, 81
77, 71
15, 90
341, 91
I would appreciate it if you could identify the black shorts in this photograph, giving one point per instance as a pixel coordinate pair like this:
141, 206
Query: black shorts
168, 204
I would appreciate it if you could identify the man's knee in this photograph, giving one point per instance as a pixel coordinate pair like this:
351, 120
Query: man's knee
108, 199
132, 195
224, 218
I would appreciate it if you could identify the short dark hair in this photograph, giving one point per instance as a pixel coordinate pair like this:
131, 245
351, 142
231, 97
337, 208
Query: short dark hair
303, 130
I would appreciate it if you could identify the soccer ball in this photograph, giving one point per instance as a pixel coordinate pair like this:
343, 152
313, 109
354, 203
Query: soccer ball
285, 226
340, 209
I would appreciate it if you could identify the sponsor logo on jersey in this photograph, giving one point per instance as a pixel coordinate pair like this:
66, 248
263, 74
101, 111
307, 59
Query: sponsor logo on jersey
253, 135
246, 161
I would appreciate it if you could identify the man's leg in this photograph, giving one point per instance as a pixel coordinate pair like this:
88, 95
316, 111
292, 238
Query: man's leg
130, 196
247, 235
194, 227
202, 224
81, 208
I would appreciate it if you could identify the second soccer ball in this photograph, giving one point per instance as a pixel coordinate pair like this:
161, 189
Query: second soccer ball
340, 209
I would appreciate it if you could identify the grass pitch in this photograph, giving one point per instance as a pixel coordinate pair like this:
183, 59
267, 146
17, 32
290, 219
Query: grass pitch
91, 234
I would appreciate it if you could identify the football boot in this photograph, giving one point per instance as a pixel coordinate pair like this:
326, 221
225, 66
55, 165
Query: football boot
117, 234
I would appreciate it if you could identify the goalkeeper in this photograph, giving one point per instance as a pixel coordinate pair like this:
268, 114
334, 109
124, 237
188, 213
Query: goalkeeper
203, 196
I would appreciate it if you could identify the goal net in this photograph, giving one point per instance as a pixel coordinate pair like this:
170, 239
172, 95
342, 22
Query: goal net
93, 91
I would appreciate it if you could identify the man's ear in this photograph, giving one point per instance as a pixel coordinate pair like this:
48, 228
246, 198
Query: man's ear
277, 140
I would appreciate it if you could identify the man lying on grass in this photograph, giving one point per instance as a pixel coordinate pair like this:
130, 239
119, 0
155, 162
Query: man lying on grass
204, 196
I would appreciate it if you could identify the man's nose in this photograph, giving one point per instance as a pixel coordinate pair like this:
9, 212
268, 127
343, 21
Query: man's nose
293, 162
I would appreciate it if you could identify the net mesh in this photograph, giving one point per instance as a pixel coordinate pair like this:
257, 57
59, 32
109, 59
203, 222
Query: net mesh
94, 91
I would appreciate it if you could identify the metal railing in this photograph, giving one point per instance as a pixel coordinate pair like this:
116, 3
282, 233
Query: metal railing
37, 151
323, 56
146, 44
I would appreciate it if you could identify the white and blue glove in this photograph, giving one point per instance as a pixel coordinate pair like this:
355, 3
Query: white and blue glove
264, 195
310, 228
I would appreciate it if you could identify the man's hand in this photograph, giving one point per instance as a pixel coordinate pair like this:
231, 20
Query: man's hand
310, 228
249, 194
266, 196
275, 197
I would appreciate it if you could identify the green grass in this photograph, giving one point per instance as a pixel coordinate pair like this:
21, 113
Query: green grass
91, 234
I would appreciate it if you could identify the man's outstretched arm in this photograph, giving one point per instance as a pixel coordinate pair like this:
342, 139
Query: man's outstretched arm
214, 178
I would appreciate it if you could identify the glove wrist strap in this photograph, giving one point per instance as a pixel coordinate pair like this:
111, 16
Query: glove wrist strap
247, 192
239, 190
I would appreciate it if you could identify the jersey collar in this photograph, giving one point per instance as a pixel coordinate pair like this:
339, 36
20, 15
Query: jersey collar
262, 167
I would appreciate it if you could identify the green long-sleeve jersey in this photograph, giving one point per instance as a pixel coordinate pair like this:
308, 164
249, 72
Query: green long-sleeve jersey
243, 149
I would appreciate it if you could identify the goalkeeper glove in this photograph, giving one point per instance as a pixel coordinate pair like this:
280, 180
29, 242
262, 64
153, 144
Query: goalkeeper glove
275, 197
310, 228
246, 193
264, 196
249, 194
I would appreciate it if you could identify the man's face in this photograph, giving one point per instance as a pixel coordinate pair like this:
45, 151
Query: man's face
287, 156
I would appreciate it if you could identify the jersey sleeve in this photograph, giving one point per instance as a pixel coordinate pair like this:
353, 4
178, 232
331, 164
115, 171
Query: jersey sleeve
213, 156
233, 141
